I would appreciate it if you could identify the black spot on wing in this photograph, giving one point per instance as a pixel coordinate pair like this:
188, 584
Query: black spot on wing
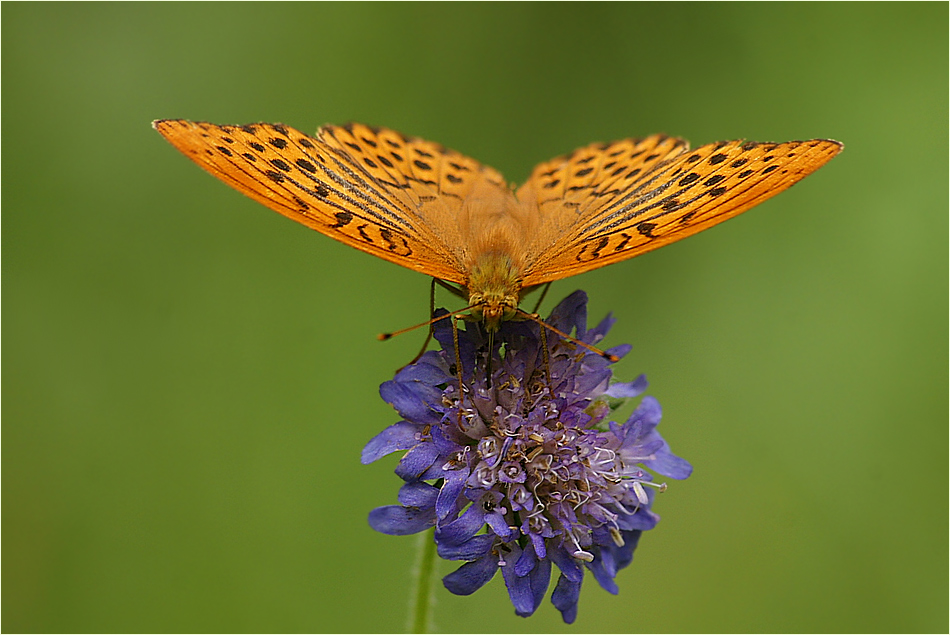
342, 219
692, 177
646, 228
303, 164
600, 245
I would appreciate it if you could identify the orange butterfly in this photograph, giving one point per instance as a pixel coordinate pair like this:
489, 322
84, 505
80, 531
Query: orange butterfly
420, 205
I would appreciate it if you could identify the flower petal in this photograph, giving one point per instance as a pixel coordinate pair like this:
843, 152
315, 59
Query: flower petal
604, 569
587, 382
471, 576
451, 489
427, 370
628, 389
399, 436
540, 578
396, 520
526, 562
567, 564
600, 331
462, 528
643, 520
625, 554
571, 313
416, 461
498, 525
472, 549
646, 417
418, 494
620, 350
668, 464
519, 587
412, 400
565, 597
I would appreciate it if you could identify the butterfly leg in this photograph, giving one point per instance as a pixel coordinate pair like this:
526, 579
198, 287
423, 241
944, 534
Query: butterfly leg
547, 361
451, 288
425, 344
458, 364
544, 293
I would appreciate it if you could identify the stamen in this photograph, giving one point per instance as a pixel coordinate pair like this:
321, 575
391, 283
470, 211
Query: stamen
586, 556
616, 536
579, 553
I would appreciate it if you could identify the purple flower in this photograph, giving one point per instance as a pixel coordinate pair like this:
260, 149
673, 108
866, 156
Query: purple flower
524, 471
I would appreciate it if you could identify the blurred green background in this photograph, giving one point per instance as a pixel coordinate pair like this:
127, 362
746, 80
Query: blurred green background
190, 377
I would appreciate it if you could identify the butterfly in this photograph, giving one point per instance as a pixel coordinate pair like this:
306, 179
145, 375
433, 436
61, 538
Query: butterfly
420, 205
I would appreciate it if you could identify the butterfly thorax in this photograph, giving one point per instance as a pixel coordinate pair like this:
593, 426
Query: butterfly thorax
494, 289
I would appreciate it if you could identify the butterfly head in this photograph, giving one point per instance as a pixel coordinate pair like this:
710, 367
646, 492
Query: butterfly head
494, 289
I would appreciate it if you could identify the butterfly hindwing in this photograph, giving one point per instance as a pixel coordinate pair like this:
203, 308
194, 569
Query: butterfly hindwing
581, 179
677, 195
422, 169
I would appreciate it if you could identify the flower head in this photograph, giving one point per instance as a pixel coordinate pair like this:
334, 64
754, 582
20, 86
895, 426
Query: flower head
524, 471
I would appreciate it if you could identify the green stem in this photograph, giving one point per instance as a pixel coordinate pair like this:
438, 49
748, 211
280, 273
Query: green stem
420, 612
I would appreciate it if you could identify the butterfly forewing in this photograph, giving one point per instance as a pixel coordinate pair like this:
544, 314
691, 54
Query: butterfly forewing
323, 184
670, 197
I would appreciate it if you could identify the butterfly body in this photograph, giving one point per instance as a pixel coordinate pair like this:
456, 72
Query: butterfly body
494, 289
433, 210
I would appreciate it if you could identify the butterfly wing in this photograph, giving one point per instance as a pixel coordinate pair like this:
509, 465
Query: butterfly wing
606, 203
366, 187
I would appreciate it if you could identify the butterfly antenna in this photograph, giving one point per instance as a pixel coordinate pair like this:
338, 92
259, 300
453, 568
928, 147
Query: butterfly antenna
534, 317
386, 336
491, 357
